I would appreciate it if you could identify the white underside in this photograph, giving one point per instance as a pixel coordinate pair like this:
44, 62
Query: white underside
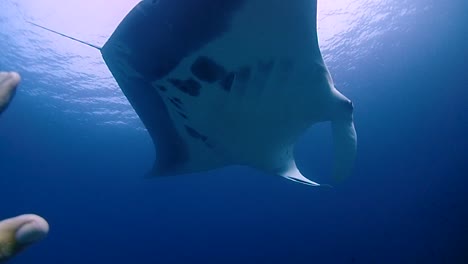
256, 123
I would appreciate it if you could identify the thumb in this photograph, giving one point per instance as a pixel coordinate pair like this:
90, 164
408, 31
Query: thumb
19, 232
8, 83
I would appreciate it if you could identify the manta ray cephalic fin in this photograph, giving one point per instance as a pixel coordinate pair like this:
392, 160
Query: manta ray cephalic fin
344, 138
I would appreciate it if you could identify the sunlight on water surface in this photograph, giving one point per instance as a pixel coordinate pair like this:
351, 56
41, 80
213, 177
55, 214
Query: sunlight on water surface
77, 83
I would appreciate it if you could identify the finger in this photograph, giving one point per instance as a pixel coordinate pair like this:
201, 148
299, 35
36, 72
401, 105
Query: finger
19, 232
8, 83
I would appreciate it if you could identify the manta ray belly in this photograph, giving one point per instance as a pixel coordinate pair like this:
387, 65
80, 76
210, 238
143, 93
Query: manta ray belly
223, 82
244, 97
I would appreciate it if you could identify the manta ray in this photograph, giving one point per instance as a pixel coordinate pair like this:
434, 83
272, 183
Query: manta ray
231, 82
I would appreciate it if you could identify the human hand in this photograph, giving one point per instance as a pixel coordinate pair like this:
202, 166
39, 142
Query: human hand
19, 232
8, 83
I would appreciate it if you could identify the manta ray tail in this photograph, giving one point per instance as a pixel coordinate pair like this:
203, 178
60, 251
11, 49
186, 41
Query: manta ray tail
63, 35
344, 138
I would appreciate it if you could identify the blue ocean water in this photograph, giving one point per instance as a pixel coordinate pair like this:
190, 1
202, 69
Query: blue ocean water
73, 150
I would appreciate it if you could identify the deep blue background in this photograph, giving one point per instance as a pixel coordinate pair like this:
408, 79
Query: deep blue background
406, 202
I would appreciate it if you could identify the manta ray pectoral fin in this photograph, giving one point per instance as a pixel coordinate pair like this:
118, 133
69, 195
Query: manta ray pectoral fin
292, 173
344, 139
301, 179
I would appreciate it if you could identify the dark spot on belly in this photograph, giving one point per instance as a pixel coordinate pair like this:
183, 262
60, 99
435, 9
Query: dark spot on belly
265, 67
184, 116
209, 145
207, 70
195, 134
226, 82
189, 86
175, 33
177, 100
162, 88
243, 75
176, 104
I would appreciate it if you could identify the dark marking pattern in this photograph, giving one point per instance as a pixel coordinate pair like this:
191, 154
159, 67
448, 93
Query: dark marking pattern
243, 75
265, 67
226, 82
209, 145
189, 86
195, 134
207, 70
162, 88
174, 34
176, 103
184, 116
